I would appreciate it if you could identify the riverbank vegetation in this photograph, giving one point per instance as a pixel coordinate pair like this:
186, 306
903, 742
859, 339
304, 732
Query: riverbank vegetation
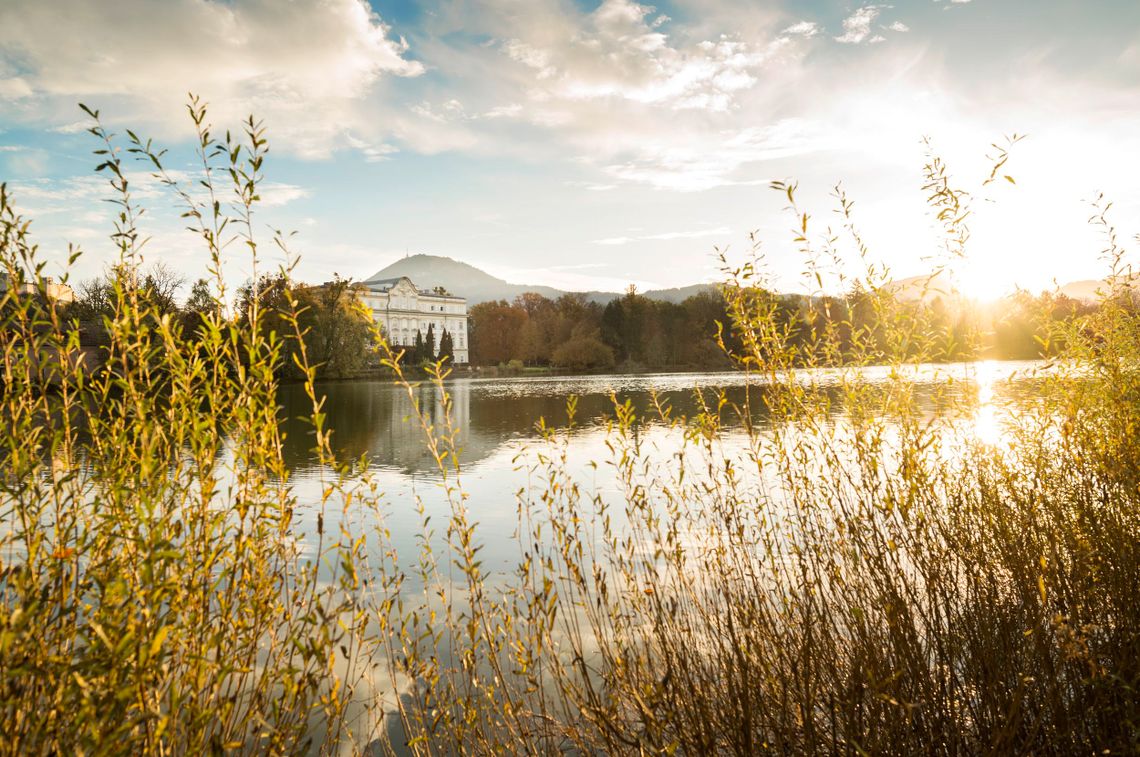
863, 573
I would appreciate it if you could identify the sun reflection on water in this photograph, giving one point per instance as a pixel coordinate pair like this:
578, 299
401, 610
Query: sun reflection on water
988, 427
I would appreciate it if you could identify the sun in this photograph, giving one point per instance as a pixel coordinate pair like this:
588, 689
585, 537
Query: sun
982, 280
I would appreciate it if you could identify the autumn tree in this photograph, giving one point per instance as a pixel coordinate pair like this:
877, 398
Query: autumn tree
494, 332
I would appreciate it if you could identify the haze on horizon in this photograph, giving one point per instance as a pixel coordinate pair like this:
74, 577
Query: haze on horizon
588, 145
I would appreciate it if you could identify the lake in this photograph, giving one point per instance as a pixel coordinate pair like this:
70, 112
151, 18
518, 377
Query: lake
500, 441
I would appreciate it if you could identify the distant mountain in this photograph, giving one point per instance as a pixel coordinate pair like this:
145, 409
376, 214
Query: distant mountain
465, 280
1092, 290
940, 285
429, 271
1084, 290
679, 294
925, 288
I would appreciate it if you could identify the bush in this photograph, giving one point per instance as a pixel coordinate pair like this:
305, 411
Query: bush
583, 353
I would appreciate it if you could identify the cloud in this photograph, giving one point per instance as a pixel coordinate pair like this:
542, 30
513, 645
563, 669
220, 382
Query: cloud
666, 236
857, 26
620, 88
620, 52
591, 186
697, 166
804, 29
77, 194
372, 152
899, 26
74, 127
275, 194
504, 111
302, 65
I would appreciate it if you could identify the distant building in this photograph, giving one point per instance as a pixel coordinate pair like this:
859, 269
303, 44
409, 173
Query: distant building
53, 289
402, 310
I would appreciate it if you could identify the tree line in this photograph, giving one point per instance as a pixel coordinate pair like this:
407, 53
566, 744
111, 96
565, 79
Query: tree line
631, 332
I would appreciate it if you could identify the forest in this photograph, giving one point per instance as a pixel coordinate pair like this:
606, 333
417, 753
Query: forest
637, 333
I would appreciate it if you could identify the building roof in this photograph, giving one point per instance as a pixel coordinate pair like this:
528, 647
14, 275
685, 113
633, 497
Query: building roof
384, 285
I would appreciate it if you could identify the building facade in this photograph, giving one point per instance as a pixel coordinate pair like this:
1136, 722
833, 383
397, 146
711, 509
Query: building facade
54, 290
402, 310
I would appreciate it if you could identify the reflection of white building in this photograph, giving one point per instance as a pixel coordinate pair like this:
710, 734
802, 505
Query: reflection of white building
402, 310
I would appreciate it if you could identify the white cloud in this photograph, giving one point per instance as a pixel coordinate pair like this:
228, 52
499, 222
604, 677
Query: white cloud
76, 195
667, 236
857, 26
618, 53
14, 87
804, 29
504, 111
591, 186
372, 152
691, 166
302, 65
621, 88
74, 127
275, 194
899, 26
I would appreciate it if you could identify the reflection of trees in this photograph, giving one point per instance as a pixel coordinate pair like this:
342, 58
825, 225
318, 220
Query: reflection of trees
376, 419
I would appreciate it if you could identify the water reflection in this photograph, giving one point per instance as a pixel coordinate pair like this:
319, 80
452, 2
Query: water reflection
375, 419
987, 425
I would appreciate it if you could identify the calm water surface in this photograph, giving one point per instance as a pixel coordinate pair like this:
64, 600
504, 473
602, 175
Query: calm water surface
499, 436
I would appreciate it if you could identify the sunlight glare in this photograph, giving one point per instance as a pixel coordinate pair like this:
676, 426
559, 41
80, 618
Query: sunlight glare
987, 426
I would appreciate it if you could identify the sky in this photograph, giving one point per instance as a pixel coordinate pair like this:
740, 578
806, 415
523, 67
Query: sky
590, 145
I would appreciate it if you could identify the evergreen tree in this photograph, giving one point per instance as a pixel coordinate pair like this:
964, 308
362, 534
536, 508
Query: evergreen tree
429, 343
447, 347
418, 350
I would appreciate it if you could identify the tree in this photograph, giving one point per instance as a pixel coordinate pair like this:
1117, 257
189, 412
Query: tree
446, 347
494, 332
624, 325
335, 327
94, 300
429, 343
583, 352
417, 355
159, 288
199, 304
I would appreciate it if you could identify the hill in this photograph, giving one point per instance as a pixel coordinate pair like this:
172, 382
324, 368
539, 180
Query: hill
477, 286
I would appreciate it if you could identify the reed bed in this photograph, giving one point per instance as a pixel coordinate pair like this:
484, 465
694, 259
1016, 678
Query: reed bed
872, 580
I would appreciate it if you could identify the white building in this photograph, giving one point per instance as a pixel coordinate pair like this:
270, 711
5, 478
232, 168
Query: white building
402, 310
53, 289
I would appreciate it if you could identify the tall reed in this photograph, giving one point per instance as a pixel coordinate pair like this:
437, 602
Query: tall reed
832, 565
